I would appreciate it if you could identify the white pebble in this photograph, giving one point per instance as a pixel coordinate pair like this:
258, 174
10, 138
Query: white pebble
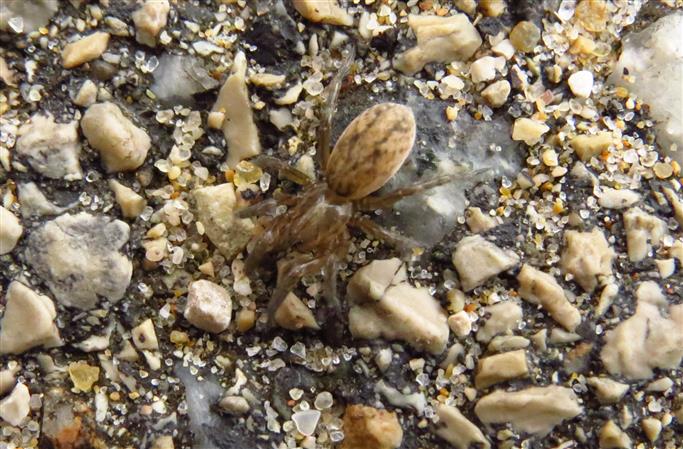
581, 83
306, 421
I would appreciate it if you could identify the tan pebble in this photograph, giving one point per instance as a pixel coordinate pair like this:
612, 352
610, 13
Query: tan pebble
663, 170
592, 14
179, 337
131, 203
492, 8
528, 130
245, 320
85, 49
323, 11
87, 94
267, 80
587, 147
207, 268
163, 442
83, 375
497, 93
524, 36
550, 158
652, 428
293, 314
367, 427
582, 45
554, 73
612, 437
501, 368
451, 113
149, 19
215, 119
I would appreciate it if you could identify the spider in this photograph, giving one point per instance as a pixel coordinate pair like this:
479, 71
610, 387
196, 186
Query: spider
312, 236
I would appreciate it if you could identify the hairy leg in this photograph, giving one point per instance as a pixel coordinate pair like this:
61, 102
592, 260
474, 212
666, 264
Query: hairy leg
387, 200
265, 207
289, 273
286, 170
328, 108
394, 239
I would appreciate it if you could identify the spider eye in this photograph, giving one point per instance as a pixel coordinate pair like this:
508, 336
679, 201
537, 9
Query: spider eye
371, 150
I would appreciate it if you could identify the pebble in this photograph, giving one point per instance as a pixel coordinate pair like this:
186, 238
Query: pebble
78, 258
85, 49
294, 315
52, 149
581, 83
439, 39
617, 198
496, 94
131, 203
215, 210
245, 320
479, 222
457, 430
306, 421
524, 36
460, 324
415, 401
8, 378
86, 95
149, 20
16, 407
588, 146
323, 11
366, 427
234, 405
27, 309
652, 427
504, 48
499, 368
267, 80
660, 385
484, 68
643, 231
477, 260
144, 336
83, 376
10, 231
612, 437
492, 8
666, 267
385, 305
209, 306
535, 410
529, 131
34, 203
239, 128
608, 391
587, 257
651, 338
541, 288
291, 96
122, 145
504, 343
503, 318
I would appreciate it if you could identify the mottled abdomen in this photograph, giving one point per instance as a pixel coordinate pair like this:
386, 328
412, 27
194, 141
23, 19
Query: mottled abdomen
371, 150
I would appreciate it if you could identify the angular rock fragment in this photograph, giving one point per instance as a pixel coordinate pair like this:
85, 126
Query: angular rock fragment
439, 39
608, 391
52, 149
323, 11
649, 67
234, 405
34, 203
651, 338
209, 306
78, 258
8, 379
496, 94
479, 222
416, 401
541, 288
122, 145
676, 204
502, 318
215, 210
26, 310
239, 128
366, 427
529, 131
385, 305
588, 146
535, 410
477, 260
15, 407
501, 368
179, 77
587, 256
460, 323
149, 19
643, 231
294, 315
460, 432
85, 49
618, 199
144, 336
131, 203
652, 427
86, 95
10, 231
612, 437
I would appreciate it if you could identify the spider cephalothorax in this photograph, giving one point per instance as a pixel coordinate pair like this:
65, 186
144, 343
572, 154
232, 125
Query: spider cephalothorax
312, 235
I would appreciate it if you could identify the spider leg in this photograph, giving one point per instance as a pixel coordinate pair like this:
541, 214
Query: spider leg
289, 273
331, 270
272, 163
265, 207
329, 107
387, 200
394, 239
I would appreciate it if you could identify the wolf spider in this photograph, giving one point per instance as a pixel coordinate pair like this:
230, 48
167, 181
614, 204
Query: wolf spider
312, 236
